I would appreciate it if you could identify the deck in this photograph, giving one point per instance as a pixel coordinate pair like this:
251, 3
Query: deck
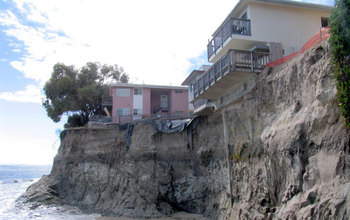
234, 67
232, 26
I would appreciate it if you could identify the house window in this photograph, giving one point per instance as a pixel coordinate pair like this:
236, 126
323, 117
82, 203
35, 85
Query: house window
324, 22
137, 111
178, 91
123, 92
123, 111
137, 91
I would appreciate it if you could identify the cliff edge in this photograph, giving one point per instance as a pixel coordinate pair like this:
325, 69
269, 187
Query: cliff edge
284, 155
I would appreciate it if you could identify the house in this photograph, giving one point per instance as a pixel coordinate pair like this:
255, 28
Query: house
194, 75
254, 33
139, 101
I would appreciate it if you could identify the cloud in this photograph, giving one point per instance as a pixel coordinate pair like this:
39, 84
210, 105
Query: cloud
156, 41
31, 94
153, 40
26, 150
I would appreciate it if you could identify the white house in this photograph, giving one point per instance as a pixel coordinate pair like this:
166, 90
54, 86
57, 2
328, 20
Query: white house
254, 33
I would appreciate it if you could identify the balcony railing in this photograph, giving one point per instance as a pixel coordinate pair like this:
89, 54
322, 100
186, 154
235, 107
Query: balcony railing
107, 101
233, 60
232, 26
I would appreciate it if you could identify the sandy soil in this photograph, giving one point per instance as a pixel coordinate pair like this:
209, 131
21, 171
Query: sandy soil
176, 216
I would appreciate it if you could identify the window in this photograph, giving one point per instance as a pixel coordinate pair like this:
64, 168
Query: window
137, 91
324, 21
178, 91
123, 111
124, 92
137, 111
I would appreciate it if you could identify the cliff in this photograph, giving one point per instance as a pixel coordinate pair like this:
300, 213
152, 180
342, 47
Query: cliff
284, 154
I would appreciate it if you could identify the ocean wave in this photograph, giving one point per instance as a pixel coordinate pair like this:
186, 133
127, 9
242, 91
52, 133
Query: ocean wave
19, 181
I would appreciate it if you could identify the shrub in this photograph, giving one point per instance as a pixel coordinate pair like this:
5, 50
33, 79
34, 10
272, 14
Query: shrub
340, 49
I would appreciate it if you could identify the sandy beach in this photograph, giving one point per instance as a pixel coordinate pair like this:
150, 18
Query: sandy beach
175, 216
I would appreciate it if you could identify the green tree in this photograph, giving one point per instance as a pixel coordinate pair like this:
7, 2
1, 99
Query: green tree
78, 93
340, 49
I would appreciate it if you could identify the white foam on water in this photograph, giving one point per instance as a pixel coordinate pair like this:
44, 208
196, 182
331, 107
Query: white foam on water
10, 209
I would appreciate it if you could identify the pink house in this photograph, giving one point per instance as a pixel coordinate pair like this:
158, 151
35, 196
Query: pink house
138, 101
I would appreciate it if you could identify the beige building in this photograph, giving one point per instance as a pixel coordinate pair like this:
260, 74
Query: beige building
254, 33
289, 24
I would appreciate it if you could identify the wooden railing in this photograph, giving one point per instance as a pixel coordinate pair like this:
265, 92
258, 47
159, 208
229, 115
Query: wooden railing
232, 26
233, 60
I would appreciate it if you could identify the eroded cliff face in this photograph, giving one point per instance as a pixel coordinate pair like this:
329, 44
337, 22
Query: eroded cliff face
289, 145
158, 174
288, 154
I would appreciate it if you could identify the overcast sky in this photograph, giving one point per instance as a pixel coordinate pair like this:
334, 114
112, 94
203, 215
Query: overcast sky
155, 41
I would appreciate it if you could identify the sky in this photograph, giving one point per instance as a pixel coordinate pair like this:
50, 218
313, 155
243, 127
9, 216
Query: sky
155, 41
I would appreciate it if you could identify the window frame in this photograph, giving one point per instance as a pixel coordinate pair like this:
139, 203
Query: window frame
123, 111
138, 91
122, 92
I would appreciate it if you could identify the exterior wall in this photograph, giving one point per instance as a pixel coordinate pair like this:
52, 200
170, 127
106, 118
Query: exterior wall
292, 26
147, 101
150, 101
179, 101
121, 102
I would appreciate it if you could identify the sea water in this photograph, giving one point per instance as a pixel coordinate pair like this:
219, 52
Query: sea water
14, 180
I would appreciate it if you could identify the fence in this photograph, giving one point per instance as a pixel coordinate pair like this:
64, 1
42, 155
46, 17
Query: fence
320, 36
100, 118
122, 119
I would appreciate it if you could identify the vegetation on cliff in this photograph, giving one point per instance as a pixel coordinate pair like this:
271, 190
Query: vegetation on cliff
340, 47
78, 93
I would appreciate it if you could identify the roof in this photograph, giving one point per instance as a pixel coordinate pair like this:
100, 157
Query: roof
192, 76
194, 73
130, 85
242, 3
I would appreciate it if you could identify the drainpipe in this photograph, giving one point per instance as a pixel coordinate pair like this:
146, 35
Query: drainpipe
227, 149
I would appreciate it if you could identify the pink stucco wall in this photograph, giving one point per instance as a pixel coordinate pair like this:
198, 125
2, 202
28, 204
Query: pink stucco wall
121, 102
146, 101
179, 101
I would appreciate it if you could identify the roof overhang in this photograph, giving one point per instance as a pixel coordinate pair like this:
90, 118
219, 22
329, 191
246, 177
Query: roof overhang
192, 76
131, 85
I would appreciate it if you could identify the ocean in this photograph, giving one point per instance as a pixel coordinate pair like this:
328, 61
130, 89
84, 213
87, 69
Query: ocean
14, 180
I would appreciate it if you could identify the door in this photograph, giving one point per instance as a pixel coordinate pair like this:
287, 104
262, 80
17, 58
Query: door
137, 103
164, 101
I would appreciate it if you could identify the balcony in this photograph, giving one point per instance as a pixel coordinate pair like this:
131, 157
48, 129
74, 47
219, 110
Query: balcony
107, 101
235, 66
232, 26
